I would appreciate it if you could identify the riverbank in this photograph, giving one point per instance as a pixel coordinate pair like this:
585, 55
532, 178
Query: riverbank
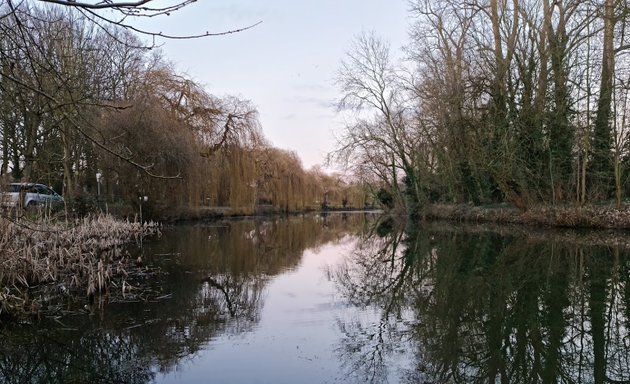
42, 261
179, 214
591, 216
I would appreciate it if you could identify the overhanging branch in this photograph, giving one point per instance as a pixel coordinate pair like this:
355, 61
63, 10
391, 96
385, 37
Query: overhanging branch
139, 9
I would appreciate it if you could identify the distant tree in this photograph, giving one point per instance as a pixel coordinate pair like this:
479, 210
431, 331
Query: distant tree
381, 135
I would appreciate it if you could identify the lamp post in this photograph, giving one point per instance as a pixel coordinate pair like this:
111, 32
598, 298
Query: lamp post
142, 198
145, 199
99, 177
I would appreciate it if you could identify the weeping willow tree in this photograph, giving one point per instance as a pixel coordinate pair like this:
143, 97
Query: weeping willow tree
92, 112
240, 173
211, 163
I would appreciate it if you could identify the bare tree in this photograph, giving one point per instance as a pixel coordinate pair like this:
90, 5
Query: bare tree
515, 81
375, 91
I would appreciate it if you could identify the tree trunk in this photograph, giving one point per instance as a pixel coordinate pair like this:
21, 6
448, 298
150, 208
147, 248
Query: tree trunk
31, 124
602, 163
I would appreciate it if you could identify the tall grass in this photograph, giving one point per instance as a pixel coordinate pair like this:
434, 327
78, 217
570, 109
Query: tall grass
81, 256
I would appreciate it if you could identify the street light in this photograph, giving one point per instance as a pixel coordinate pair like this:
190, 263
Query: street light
99, 177
145, 199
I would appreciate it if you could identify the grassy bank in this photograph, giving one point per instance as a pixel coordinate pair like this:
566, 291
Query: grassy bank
85, 257
550, 216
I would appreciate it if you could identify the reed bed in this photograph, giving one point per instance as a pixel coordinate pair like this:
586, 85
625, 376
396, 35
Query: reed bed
87, 256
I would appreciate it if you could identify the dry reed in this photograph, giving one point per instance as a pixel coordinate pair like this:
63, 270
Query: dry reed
84, 255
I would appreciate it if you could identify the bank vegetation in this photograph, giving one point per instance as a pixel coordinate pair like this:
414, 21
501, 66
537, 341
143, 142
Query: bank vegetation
520, 102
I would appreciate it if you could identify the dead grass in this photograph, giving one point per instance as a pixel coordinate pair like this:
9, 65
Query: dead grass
81, 256
591, 216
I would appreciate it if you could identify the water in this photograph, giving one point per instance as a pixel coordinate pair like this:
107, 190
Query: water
349, 298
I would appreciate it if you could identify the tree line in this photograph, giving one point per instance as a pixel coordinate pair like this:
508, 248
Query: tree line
94, 111
496, 101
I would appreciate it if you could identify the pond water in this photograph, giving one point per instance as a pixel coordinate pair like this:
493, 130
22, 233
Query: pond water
349, 298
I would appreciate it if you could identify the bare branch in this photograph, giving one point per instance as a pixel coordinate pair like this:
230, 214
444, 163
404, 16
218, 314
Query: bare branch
138, 9
127, 8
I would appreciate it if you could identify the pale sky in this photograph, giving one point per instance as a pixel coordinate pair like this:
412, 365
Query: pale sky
287, 65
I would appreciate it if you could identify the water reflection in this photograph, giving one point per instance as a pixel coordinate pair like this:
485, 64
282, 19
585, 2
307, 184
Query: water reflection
214, 281
422, 305
483, 307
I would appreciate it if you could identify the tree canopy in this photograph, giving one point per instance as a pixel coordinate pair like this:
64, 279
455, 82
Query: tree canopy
519, 101
81, 97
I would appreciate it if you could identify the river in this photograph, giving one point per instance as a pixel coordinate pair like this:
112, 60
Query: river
348, 298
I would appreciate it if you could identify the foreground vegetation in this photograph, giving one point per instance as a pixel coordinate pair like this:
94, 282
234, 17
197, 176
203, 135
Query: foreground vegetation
87, 256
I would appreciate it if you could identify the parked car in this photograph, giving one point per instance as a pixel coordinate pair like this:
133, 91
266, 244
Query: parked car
31, 195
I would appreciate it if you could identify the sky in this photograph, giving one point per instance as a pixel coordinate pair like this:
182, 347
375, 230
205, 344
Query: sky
286, 65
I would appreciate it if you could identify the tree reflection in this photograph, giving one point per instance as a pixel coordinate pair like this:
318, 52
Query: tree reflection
238, 298
214, 276
368, 348
483, 307
379, 274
